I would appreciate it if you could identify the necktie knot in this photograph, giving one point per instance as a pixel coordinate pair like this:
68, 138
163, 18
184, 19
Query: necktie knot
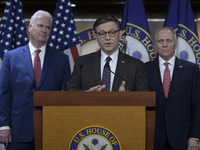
37, 51
166, 64
108, 59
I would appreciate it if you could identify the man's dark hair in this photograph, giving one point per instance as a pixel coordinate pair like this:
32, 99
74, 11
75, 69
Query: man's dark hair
105, 19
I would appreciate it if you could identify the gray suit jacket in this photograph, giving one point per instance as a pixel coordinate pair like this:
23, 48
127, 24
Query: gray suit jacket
87, 73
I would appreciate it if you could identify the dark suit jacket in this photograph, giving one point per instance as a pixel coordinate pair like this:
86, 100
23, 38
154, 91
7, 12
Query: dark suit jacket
17, 84
178, 117
87, 74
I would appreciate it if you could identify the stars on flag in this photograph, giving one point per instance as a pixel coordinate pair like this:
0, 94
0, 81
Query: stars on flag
63, 32
12, 28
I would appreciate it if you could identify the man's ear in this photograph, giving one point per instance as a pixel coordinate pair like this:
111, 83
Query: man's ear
95, 35
120, 34
29, 27
176, 44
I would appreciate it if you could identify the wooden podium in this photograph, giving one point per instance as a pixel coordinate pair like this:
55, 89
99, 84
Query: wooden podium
129, 115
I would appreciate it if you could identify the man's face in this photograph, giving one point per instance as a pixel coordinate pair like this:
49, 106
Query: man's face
40, 30
108, 41
166, 44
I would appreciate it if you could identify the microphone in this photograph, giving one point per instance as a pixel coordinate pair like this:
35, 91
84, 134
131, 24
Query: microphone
108, 66
74, 72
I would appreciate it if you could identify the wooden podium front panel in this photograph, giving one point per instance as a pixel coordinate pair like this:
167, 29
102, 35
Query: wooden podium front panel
62, 123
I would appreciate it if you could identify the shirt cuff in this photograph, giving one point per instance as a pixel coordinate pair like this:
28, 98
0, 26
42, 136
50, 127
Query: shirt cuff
195, 139
4, 128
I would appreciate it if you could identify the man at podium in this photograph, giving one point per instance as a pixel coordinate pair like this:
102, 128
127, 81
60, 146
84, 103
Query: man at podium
108, 69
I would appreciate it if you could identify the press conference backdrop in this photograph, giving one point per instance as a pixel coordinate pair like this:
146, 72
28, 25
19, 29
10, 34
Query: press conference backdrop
86, 12
86, 34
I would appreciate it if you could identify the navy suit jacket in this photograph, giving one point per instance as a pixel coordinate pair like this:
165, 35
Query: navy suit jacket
87, 73
178, 116
17, 84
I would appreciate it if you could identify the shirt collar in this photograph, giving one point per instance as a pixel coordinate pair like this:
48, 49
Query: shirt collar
171, 61
33, 48
114, 56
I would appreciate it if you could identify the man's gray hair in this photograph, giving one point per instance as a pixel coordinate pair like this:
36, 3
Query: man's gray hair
165, 28
40, 14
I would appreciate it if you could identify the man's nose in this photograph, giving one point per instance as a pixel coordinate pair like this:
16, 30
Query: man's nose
165, 43
107, 36
44, 29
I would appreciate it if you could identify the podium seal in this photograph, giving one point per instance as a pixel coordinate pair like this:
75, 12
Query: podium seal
94, 138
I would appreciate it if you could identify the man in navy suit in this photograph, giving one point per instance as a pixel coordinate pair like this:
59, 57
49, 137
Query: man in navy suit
17, 82
177, 124
128, 73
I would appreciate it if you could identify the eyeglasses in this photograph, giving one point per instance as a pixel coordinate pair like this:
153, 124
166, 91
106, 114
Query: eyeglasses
110, 33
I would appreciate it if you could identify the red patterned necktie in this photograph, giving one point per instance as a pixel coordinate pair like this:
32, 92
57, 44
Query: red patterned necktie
166, 79
37, 67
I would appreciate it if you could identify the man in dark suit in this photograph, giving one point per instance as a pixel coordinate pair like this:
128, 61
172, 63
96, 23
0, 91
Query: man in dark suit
177, 124
126, 72
18, 81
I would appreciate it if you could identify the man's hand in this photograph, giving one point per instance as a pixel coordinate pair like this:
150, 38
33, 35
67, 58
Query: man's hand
97, 88
193, 144
122, 87
5, 137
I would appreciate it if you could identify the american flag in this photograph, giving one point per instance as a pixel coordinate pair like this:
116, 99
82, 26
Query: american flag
12, 28
63, 36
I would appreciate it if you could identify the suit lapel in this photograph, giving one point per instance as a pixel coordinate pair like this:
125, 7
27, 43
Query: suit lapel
178, 69
157, 75
28, 61
96, 67
47, 61
121, 66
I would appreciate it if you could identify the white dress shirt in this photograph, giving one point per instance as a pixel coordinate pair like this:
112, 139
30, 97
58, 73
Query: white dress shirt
41, 54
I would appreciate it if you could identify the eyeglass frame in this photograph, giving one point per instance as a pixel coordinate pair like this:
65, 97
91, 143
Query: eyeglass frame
115, 31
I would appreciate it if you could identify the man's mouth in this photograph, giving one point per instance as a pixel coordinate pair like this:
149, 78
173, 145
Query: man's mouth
108, 44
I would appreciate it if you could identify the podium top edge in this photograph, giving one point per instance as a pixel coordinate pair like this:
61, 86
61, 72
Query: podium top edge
82, 98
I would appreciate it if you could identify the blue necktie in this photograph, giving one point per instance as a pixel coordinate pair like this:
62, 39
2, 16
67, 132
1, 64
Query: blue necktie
106, 75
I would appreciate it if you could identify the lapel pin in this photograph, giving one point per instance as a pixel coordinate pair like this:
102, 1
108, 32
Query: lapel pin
123, 61
180, 66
